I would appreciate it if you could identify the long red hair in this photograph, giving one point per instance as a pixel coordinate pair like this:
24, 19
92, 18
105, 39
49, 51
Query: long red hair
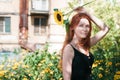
70, 33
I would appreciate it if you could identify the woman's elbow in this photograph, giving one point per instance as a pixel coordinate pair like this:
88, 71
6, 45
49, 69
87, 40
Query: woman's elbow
107, 29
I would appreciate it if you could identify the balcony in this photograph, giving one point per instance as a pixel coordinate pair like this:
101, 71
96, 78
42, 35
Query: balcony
40, 6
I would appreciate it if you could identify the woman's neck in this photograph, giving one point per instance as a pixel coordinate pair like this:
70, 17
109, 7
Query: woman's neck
79, 46
77, 41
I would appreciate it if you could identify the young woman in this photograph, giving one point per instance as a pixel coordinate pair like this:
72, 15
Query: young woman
76, 57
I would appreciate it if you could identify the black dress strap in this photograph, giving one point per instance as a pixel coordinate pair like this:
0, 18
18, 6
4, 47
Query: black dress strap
71, 45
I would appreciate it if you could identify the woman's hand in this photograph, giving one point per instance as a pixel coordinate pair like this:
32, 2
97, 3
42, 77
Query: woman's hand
82, 11
78, 9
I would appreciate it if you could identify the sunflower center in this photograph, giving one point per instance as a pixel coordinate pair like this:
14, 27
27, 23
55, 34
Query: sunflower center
58, 17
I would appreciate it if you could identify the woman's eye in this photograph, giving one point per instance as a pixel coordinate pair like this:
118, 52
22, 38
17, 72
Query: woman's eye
80, 25
87, 26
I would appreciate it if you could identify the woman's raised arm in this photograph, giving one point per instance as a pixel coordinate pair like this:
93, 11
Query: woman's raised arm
101, 33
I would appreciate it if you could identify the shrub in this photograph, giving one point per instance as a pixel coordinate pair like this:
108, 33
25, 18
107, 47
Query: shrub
43, 65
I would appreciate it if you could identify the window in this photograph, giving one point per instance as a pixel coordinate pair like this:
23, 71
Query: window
44, 4
40, 5
4, 24
40, 25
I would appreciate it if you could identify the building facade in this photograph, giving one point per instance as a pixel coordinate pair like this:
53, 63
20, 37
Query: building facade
30, 21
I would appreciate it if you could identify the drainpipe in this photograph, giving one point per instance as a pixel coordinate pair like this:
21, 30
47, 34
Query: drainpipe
23, 25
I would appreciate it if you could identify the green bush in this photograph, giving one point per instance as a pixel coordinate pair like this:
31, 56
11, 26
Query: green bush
43, 65
107, 51
39, 65
14, 69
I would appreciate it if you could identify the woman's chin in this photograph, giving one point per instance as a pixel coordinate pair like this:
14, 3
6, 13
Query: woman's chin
83, 37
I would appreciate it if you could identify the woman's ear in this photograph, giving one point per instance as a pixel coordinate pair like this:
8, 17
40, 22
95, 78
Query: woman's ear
72, 28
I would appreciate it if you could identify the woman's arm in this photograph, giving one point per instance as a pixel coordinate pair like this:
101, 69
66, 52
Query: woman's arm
102, 32
101, 25
67, 62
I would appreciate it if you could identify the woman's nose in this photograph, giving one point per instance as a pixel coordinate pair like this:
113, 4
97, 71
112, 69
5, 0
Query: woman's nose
85, 28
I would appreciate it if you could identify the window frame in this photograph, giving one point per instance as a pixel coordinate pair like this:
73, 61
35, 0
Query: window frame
41, 5
40, 26
6, 23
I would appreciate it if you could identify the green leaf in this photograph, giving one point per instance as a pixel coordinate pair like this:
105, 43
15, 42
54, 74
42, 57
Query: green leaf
70, 5
55, 9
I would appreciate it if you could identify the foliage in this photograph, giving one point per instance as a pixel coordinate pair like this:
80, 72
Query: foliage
40, 65
14, 69
44, 65
107, 51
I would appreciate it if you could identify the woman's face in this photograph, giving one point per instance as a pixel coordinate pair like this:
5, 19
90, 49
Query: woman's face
82, 29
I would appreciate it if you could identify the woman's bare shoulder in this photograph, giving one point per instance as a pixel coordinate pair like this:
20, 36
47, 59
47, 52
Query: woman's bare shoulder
68, 47
68, 50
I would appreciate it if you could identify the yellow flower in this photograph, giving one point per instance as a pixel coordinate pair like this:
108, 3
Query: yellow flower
109, 63
100, 75
30, 74
39, 64
60, 65
25, 66
60, 79
16, 64
94, 65
117, 64
12, 74
118, 72
116, 77
58, 17
14, 67
51, 72
101, 60
38, 78
52, 57
50, 64
2, 73
1, 66
43, 72
47, 70
106, 71
101, 68
25, 79
42, 61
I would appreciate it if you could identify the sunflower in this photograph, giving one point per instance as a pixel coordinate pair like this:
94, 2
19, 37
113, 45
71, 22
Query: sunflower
58, 17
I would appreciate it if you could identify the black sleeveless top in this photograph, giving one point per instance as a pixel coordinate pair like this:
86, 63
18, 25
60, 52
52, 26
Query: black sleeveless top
81, 66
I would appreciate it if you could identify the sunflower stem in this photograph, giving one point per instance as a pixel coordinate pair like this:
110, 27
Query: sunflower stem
78, 7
